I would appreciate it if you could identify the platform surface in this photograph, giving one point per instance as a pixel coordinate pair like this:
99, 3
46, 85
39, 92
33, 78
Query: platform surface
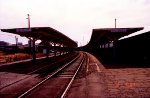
95, 81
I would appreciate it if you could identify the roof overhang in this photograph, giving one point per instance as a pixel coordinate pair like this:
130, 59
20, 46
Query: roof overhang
43, 33
105, 35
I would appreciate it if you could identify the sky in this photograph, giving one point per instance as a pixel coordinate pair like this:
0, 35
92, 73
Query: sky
74, 18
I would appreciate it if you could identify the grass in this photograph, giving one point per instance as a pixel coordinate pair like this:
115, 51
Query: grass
7, 58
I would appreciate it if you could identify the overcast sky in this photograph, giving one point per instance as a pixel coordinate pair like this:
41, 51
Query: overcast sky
74, 18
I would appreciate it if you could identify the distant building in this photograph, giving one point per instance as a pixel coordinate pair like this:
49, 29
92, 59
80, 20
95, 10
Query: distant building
20, 45
6, 47
3, 43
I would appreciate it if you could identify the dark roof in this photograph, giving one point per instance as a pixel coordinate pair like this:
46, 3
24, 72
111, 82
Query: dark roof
105, 35
43, 33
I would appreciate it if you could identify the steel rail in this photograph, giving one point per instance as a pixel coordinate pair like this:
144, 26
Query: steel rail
26, 77
47, 78
72, 79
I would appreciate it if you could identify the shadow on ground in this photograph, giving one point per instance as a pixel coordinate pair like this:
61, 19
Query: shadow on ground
116, 64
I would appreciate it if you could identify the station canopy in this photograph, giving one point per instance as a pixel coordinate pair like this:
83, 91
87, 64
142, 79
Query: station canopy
43, 33
106, 35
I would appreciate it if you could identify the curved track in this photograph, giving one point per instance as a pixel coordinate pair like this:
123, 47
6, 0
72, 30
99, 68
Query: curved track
15, 79
57, 83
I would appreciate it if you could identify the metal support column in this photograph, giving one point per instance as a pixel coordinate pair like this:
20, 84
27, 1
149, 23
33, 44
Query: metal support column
55, 48
47, 49
33, 50
60, 49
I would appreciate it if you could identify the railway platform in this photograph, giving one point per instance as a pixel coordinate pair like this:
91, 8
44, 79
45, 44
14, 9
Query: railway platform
98, 82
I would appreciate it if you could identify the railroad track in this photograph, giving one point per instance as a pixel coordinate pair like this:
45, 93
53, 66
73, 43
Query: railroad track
29, 74
57, 83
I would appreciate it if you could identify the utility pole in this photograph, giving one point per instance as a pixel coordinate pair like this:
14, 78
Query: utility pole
16, 41
28, 24
115, 22
31, 41
28, 20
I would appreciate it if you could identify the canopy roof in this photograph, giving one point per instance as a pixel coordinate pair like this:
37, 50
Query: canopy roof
105, 35
43, 33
